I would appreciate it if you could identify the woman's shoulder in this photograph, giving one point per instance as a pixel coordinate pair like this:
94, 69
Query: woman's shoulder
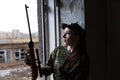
60, 48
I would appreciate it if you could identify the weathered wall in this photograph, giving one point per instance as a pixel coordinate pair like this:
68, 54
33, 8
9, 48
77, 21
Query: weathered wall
95, 20
72, 11
103, 40
114, 39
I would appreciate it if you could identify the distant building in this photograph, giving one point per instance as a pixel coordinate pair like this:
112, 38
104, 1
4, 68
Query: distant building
15, 50
15, 33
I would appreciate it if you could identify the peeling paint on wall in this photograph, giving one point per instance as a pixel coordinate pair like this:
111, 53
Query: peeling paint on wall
74, 5
73, 11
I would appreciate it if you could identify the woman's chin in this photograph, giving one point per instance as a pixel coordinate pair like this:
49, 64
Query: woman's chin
65, 44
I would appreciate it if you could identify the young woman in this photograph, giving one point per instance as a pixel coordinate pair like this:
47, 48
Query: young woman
69, 62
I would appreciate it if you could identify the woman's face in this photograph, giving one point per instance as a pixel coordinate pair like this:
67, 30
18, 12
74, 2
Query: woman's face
69, 37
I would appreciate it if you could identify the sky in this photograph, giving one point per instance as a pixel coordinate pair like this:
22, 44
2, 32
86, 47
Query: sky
13, 15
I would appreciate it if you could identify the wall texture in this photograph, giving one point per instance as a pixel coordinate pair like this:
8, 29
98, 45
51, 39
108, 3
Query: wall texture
72, 11
102, 25
113, 39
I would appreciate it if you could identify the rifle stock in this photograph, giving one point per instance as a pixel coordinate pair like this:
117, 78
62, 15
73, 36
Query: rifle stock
33, 61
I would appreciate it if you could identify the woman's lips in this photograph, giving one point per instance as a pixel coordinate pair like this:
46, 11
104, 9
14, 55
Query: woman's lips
64, 40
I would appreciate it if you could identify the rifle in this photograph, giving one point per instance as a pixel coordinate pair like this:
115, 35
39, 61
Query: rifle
34, 67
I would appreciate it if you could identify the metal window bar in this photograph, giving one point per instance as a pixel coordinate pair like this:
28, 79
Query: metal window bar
58, 4
55, 23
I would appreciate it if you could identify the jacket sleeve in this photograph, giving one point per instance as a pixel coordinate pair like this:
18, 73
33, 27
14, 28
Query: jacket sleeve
49, 67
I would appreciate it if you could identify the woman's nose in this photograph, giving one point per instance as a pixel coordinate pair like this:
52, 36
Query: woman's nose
63, 35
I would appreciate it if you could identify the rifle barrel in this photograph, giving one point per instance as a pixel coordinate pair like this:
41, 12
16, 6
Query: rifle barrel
28, 21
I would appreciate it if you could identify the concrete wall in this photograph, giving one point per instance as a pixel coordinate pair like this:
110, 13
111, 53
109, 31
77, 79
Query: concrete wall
102, 26
114, 39
72, 11
95, 19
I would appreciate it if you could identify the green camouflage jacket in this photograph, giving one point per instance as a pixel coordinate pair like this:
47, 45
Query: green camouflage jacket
57, 57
